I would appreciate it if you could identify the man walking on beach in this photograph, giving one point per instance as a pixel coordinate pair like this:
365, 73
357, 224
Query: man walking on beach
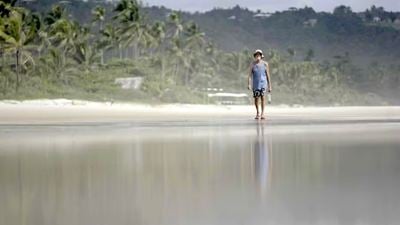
260, 77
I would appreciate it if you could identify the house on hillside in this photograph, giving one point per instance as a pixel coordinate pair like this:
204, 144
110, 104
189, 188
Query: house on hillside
377, 19
133, 83
310, 23
262, 15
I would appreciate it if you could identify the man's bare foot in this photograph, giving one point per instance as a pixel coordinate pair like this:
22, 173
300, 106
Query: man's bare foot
257, 117
262, 117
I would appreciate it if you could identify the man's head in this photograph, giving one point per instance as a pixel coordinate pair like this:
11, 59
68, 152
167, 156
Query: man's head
258, 54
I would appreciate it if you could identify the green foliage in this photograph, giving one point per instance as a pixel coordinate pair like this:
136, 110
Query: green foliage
53, 56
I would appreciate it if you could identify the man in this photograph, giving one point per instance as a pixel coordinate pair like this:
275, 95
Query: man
260, 77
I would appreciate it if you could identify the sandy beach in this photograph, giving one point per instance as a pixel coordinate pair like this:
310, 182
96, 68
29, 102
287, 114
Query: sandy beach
72, 162
63, 111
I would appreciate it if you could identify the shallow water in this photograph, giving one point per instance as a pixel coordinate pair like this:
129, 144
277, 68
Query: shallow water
241, 172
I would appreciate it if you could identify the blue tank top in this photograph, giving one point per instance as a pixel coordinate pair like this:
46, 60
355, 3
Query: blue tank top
259, 76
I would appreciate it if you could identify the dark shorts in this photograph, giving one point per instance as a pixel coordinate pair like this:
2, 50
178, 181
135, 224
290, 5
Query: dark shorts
258, 92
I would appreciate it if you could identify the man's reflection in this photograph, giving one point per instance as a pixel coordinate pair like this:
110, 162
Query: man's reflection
262, 160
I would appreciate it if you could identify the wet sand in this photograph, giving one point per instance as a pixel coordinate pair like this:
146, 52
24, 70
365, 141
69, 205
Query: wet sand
120, 164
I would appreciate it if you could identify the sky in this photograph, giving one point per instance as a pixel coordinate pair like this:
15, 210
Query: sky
274, 5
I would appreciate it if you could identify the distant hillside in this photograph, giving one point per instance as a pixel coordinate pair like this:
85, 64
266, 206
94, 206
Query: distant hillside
368, 37
371, 36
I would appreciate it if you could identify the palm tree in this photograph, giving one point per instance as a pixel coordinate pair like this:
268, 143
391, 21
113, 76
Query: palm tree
61, 31
2, 49
56, 13
157, 32
148, 42
127, 11
43, 42
84, 53
195, 38
175, 26
109, 39
6, 6
53, 62
310, 55
175, 46
178, 58
194, 43
17, 32
73, 41
128, 18
292, 53
63, 34
99, 17
134, 36
52, 21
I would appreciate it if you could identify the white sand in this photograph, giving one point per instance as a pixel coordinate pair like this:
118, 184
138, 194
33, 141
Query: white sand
75, 111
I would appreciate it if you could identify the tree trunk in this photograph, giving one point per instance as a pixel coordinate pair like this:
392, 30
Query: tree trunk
2, 69
187, 77
186, 71
17, 70
2, 59
6, 77
240, 62
162, 67
336, 81
177, 69
5, 85
101, 51
102, 57
120, 51
136, 50
64, 62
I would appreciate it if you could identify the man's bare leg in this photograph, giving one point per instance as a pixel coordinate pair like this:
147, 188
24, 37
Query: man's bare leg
258, 111
262, 107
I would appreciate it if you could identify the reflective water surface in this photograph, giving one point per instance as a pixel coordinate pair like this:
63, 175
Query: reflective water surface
255, 173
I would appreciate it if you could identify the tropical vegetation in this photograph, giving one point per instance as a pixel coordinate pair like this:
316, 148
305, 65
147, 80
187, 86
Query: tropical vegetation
51, 54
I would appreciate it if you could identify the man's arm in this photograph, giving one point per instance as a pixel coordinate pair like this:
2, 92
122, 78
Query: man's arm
268, 77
